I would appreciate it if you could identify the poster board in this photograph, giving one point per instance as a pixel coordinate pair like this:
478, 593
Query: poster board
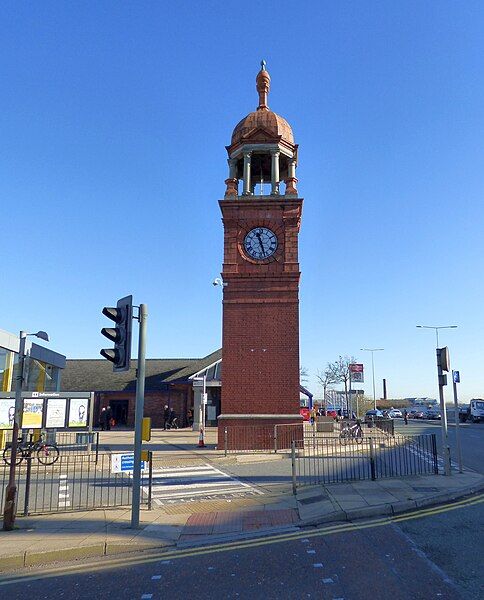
56, 412
32, 413
78, 412
7, 412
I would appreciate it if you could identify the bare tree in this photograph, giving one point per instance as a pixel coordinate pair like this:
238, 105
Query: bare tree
326, 378
303, 375
340, 371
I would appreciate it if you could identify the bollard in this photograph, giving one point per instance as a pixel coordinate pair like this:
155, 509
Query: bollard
27, 484
275, 439
225, 440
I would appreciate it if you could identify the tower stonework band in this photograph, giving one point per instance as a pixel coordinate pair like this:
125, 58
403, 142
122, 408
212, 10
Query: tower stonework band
260, 346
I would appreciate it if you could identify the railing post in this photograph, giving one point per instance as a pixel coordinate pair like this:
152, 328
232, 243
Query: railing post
275, 439
293, 465
97, 446
150, 477
27, 484
372, 460
225, 441
434, 452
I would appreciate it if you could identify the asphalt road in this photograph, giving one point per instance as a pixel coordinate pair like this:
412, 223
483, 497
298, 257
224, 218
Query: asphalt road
432, 556
472, 439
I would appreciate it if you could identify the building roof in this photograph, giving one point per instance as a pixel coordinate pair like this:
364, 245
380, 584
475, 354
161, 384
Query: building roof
96, 374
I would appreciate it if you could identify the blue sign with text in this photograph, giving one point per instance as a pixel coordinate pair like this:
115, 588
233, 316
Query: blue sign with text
456, 376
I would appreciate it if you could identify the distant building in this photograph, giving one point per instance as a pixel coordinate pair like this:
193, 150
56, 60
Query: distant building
42, 366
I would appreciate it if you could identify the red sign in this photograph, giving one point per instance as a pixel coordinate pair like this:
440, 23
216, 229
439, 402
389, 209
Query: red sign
356, 368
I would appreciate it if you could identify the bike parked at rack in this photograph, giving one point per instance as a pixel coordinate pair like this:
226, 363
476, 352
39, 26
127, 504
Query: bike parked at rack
351, 432
47, 454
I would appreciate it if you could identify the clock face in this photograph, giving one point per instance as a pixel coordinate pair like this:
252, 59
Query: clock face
260, 243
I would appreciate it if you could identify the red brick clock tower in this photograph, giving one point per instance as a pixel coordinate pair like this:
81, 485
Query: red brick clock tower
260, 347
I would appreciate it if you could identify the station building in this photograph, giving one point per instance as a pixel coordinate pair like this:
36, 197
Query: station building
169, 382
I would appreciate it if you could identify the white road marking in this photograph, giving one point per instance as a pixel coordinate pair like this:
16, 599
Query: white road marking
156, 577
172, 484
328, 580
311, 551
318, 565
146, 596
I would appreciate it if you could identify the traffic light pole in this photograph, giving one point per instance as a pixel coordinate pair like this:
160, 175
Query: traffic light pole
445, 441
138, 416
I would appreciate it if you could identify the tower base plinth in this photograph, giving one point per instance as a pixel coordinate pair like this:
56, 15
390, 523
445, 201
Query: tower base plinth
259, 432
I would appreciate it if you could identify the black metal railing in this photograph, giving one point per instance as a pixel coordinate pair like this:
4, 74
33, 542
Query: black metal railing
66, 441
326, 460
74, 482
384, 424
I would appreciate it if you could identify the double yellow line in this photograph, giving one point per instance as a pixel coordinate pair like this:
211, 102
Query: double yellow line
127, 560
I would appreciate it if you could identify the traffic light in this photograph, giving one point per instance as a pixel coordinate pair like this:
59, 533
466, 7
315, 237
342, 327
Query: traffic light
443, 358
122, 316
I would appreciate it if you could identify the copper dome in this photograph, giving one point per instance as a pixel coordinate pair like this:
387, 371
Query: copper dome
267, 120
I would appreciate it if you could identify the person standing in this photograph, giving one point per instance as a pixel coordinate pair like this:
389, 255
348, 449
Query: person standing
405, 416
166, 417
102, 418
109, 417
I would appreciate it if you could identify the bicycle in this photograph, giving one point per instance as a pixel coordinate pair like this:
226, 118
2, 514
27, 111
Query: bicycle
350, 432
47, 454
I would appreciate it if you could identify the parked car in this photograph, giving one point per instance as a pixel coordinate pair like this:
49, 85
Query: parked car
395, 413
434, 413
374, 412
420, 414
416, 413
331, 412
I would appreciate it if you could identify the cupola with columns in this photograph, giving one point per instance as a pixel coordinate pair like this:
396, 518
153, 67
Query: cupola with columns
262, 149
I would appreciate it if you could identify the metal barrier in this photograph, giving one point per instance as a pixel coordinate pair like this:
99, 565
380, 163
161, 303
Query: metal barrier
73, 482
326, 460
66, 441
384, 424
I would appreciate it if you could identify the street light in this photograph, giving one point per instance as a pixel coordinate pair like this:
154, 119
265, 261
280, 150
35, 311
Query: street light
372, 350
9, 510
437, 329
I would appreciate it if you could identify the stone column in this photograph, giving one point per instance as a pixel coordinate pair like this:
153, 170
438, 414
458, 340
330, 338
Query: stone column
247, 156
275, 171
291, 180
232, 168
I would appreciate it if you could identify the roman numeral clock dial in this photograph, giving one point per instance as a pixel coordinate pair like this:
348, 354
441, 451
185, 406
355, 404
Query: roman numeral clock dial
260, 243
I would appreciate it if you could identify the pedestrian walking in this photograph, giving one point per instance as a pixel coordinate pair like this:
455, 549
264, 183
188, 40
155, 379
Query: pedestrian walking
109, 418
172, 417
166, 417
405, 417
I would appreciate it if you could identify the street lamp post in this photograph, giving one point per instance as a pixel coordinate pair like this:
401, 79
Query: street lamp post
437, 330
373, 350
10, 510
440, 377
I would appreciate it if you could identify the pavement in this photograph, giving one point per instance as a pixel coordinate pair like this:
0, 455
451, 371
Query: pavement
69, 536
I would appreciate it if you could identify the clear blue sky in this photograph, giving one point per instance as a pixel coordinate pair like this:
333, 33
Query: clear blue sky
114, 118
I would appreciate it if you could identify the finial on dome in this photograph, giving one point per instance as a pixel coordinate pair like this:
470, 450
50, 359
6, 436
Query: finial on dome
263, 84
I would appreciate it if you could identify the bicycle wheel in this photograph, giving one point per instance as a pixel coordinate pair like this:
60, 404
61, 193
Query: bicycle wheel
47, 454
7, 454
344, 437
359, 436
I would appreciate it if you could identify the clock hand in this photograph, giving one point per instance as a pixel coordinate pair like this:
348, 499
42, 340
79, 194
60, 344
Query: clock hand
260, 244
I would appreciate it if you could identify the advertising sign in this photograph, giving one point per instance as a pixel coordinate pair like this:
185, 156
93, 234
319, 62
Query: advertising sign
356, 371
7, 412
32, 414
56, 412
78, 412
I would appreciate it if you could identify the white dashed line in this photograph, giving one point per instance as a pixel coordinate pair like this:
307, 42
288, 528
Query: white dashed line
156, 577
318, 565
146, 596
311, 551
328, 580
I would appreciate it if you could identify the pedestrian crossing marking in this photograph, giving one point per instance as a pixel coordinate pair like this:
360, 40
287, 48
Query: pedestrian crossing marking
186, 484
